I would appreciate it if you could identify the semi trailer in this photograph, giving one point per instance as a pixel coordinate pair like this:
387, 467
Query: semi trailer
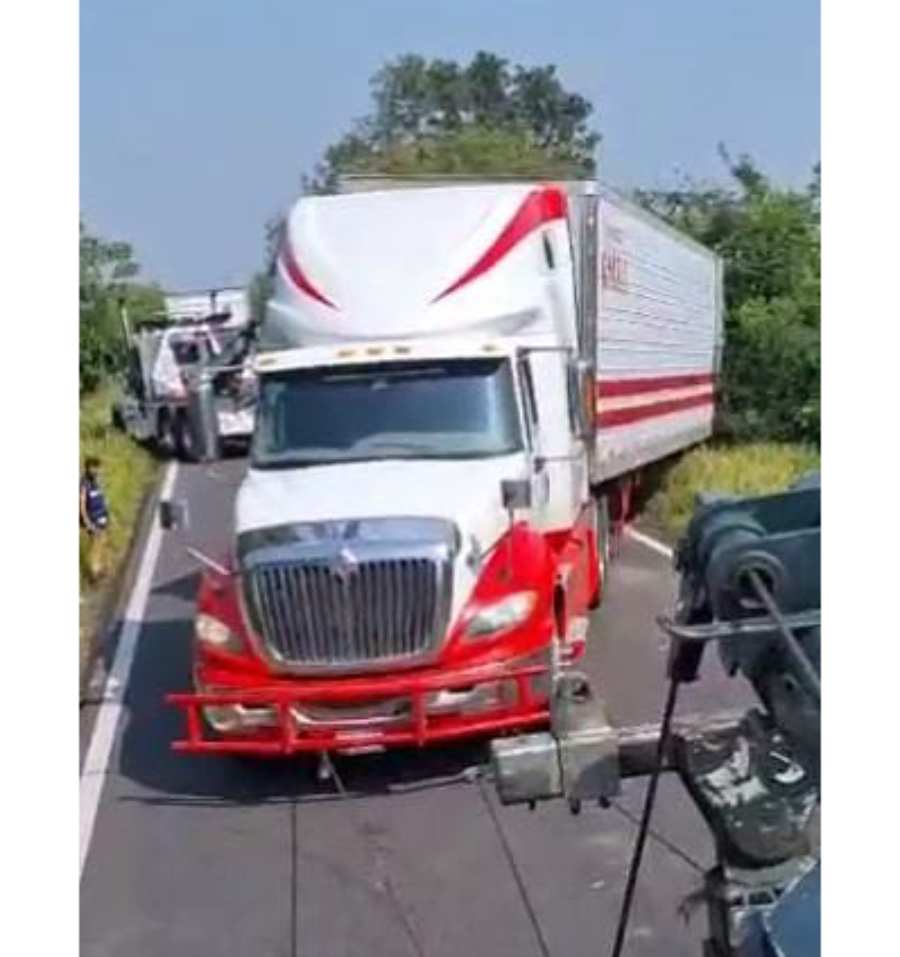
457, 386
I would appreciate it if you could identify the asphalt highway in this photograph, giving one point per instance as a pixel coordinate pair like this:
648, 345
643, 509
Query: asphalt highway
407, 853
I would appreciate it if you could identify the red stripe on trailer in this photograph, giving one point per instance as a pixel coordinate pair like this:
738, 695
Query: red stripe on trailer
653, 410
298, 277
607, 388
539, 207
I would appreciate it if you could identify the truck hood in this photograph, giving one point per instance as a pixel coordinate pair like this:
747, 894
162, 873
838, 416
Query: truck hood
464, 491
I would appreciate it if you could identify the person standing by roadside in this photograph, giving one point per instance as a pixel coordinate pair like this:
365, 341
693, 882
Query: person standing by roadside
94, 517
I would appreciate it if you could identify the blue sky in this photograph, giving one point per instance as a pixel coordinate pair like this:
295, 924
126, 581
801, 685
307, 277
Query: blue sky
198, 117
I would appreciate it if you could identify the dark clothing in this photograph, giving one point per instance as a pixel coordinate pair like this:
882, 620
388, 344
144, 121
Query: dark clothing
95, 502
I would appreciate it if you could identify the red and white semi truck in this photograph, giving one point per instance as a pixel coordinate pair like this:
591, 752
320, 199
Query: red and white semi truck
457, 386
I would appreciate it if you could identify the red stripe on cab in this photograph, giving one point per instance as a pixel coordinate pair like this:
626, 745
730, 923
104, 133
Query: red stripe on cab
540, 206
298, 277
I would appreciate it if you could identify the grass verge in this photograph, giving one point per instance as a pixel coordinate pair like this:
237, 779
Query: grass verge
746, 469
127, 474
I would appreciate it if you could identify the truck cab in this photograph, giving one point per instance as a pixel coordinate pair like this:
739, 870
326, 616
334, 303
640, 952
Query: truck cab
416, 545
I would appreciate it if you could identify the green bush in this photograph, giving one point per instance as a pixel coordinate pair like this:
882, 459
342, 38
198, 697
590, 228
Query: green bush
106, 272
127, 473
771, 376
750, 469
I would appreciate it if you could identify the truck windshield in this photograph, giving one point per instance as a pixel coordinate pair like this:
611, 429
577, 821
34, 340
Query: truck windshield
459, 408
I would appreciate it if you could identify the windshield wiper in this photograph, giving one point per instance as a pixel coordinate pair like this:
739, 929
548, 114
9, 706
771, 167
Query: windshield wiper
402, 446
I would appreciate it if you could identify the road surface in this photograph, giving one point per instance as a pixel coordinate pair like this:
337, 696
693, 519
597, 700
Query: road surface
192, 856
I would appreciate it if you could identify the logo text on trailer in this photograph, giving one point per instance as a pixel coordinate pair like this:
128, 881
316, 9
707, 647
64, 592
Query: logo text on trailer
614, 270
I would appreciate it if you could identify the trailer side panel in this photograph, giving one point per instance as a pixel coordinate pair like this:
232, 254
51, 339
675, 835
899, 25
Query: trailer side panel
659, 339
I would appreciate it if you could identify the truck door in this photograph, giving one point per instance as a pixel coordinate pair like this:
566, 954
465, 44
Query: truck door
559, 467
562, 507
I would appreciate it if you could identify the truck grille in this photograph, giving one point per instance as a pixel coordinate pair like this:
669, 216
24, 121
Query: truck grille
322, 614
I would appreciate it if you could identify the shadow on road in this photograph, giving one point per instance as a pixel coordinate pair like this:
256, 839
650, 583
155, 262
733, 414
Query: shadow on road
184, 587
163, 777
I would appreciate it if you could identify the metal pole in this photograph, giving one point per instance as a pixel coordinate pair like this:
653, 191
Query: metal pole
123, 316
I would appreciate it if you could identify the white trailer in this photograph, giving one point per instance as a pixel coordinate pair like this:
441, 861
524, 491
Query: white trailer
659, 338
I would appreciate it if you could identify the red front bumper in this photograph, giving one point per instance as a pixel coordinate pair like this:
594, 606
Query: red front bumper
522, 707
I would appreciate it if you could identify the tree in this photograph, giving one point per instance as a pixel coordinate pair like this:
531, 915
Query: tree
440, 117
262, 282
475, 118
106, 274
770, 241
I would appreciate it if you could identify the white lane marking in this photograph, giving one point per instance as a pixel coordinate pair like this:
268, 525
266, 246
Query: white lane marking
649, 542
107, 720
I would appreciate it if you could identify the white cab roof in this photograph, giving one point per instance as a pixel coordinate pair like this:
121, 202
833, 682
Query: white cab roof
388, 264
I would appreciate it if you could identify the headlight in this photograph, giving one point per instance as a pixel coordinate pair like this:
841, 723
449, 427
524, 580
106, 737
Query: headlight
217, 635
502, 615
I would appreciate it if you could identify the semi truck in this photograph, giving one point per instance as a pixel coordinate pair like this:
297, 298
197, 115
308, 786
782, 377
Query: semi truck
458, 384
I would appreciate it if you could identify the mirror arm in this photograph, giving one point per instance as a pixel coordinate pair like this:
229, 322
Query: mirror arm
208, 562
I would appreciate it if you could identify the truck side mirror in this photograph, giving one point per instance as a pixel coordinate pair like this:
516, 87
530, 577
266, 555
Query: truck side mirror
515, 493
173, 514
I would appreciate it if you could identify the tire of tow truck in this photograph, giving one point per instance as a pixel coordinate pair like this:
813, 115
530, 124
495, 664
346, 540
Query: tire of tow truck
165, 435
185, 445
603, 552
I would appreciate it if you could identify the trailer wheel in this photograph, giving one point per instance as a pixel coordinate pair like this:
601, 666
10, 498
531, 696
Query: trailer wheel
621, 504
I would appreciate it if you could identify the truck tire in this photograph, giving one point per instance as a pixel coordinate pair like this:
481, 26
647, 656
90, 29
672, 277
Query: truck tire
604, 555
165, 434
185, 445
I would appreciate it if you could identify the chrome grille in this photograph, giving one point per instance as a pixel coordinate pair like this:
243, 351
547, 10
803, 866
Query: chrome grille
321, 614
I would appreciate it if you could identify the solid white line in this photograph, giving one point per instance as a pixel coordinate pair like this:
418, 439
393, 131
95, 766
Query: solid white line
649, 542
96, 761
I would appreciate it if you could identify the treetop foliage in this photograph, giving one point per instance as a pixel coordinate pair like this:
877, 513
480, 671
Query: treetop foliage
107, 272
484, 117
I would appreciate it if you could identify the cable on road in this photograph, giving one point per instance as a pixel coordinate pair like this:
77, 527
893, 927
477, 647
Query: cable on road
644, 827
378, 857
517, 875
295, 884
660, 839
